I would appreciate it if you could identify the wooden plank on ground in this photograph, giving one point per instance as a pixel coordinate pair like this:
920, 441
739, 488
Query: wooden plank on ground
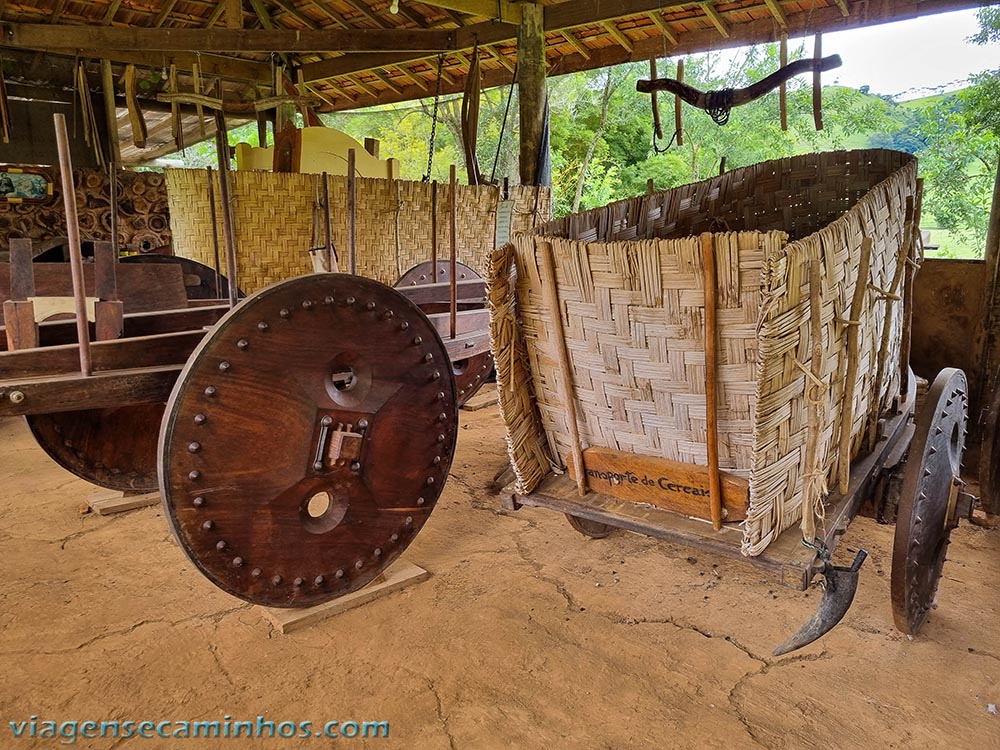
119, 502
399, 575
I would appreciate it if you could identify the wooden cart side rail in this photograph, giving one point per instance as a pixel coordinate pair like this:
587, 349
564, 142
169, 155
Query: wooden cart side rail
56, 332
116, 354
466, 321
470, 290
101, 390
469, 345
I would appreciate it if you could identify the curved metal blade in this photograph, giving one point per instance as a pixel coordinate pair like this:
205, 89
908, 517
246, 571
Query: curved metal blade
841, 584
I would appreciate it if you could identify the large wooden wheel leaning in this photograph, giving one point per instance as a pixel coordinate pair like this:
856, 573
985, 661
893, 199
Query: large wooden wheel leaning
472, 372
927, 509
307, 439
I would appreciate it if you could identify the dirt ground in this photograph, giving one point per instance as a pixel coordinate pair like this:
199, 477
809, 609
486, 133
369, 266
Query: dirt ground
527, 635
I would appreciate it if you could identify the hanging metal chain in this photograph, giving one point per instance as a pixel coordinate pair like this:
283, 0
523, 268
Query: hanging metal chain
434, 120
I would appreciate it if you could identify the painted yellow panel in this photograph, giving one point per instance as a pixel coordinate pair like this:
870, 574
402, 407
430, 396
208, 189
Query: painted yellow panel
323, 150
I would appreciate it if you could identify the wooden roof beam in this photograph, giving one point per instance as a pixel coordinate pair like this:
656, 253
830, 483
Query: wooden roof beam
579, 46
713, 15
661, 24
776, 11
508, 12
842, 4
45, 37
617, 34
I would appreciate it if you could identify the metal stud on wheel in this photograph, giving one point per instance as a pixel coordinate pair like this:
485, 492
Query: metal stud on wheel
928, 501
307, 439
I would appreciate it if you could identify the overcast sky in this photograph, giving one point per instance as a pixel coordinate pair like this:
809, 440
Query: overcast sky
910, 57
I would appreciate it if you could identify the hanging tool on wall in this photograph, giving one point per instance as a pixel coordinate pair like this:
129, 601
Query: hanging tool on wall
655, 102
135, 117
4, 108
719, 103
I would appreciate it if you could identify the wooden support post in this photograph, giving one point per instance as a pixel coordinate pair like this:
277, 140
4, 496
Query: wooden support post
678, 121
108, 310
711, 379
818, 85
352, 212
73, 233
783, 88
650, 186
19, 311
531, 89
851, 375
453, 248
228, 228
551, 294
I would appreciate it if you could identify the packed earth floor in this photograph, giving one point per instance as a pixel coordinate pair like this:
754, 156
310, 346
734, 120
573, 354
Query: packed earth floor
526, 635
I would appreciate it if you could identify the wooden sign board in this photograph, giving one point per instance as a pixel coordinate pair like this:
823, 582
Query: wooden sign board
664, 483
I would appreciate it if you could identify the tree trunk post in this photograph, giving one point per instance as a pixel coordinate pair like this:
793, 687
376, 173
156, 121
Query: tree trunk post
531, 89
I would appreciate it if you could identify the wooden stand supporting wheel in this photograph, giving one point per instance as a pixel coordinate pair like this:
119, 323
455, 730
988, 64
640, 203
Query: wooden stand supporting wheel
307, 439
928, 504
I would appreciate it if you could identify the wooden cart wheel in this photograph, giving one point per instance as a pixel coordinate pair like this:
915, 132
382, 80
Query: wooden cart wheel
199, 279
593, 529
927, 506
307, 439
113, 448
473, 372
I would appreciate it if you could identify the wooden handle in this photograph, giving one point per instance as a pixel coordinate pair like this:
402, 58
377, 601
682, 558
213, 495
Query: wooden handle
73, 235
711, 378
551, 294
453, 242
657, 125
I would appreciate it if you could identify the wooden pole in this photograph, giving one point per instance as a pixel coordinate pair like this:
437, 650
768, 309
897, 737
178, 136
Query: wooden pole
783, 88
711, 378
657, 125
110, 115
531, 89
678, 118
73, 234
215, 232
228, 228
551, 293
331, 256
453, 247
818, 85
352, 207
434, 229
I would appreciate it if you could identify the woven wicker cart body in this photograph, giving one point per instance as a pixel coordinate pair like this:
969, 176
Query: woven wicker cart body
791, 239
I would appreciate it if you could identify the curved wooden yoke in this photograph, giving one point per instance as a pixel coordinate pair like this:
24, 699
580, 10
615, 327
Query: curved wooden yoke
718, 103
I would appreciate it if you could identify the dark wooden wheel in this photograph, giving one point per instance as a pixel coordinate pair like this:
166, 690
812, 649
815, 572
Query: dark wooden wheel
113, 448
427, 273
927, 509
307, 439
593, 529
470, 373
199, 279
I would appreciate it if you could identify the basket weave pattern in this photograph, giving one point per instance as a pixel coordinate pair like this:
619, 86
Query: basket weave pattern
279, 218
629, 281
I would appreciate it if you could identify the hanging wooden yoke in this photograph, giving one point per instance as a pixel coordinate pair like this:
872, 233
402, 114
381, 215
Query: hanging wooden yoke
719, 103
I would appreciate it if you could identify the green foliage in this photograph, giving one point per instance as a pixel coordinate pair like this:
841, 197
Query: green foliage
602, 140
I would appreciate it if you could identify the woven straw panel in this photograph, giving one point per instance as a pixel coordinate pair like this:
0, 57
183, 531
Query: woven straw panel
633, 317
279, 217
142, 211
